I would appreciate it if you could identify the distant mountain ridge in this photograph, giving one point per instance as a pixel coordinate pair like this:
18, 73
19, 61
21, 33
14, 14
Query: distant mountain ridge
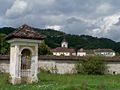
54, 38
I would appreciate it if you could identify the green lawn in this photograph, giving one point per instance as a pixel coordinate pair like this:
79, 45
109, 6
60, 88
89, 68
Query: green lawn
66, 82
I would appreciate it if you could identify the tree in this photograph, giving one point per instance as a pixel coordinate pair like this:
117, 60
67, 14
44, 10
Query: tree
92, 65
44, 49
4, 46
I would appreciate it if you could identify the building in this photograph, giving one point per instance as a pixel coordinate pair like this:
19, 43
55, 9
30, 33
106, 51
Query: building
64, 43
104, 52
98, 52
64, 50
90, 52
81, 52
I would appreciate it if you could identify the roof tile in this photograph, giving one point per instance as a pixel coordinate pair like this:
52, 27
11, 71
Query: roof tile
25, 32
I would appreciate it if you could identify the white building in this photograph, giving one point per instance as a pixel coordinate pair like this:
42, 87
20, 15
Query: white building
105, 52
64, 44
64, 50
81, 52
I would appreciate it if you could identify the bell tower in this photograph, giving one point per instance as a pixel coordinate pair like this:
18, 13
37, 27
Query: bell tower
64, 43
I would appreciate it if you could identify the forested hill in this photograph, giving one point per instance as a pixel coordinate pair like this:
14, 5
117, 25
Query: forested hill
54, 38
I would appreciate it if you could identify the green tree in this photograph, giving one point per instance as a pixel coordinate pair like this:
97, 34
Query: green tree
4, 46
92, 65
44, 49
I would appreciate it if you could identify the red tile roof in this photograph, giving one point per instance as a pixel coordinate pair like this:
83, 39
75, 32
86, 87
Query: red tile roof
63, 49
90, 51
103, 50
25, 32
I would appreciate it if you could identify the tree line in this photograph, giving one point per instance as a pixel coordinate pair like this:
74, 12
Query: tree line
54, 38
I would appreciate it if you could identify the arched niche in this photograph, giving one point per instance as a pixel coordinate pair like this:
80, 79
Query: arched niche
26, 60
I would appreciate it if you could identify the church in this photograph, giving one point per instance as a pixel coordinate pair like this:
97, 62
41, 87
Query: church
64, 50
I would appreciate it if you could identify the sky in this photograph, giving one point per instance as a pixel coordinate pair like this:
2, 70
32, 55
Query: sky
99, 18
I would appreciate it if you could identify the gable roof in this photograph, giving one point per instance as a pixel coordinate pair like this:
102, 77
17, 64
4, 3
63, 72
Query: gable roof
81, 50
63, 49
103, 50
25, 32
88, 51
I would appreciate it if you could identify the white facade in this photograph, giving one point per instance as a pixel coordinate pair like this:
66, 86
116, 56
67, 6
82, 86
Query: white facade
107, 54
64, 54
81, 53
74, 54
16, 48
61, 53
64, 44
64, 50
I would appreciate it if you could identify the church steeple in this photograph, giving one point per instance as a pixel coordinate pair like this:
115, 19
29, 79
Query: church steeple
64, 43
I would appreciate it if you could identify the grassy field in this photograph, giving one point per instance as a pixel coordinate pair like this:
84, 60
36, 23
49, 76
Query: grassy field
66, 82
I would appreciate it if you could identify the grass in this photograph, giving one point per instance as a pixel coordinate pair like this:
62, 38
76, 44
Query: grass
66, 82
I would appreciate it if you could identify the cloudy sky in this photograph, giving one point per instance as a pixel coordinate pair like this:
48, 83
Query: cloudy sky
100, 18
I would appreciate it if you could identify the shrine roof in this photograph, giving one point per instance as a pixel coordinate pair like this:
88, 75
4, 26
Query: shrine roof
25, 32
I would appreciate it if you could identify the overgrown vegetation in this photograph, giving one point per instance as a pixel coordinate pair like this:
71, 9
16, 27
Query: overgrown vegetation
91, 65
66, 82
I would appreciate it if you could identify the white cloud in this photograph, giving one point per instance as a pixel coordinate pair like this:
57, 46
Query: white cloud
90, 17
45, 2
109, 21
103, 8
105, 25
55, 27
18, 8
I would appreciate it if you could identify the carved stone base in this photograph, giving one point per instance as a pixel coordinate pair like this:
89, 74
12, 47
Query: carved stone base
14, 80
35, 79
27, 80
20, 80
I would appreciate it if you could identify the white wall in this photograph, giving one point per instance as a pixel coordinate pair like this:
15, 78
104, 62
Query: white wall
81, 53
61, 53
60, 67
64, 44
107, 54
113, 67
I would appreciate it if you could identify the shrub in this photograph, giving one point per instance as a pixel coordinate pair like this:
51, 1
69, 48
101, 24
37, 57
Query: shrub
91, 65
44, 49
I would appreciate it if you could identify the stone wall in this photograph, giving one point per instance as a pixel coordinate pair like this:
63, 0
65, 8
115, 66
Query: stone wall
62, 65
4, 66
113, 67
68, 67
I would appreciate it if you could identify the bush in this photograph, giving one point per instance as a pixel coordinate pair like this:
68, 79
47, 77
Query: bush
44, 49
91, 65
